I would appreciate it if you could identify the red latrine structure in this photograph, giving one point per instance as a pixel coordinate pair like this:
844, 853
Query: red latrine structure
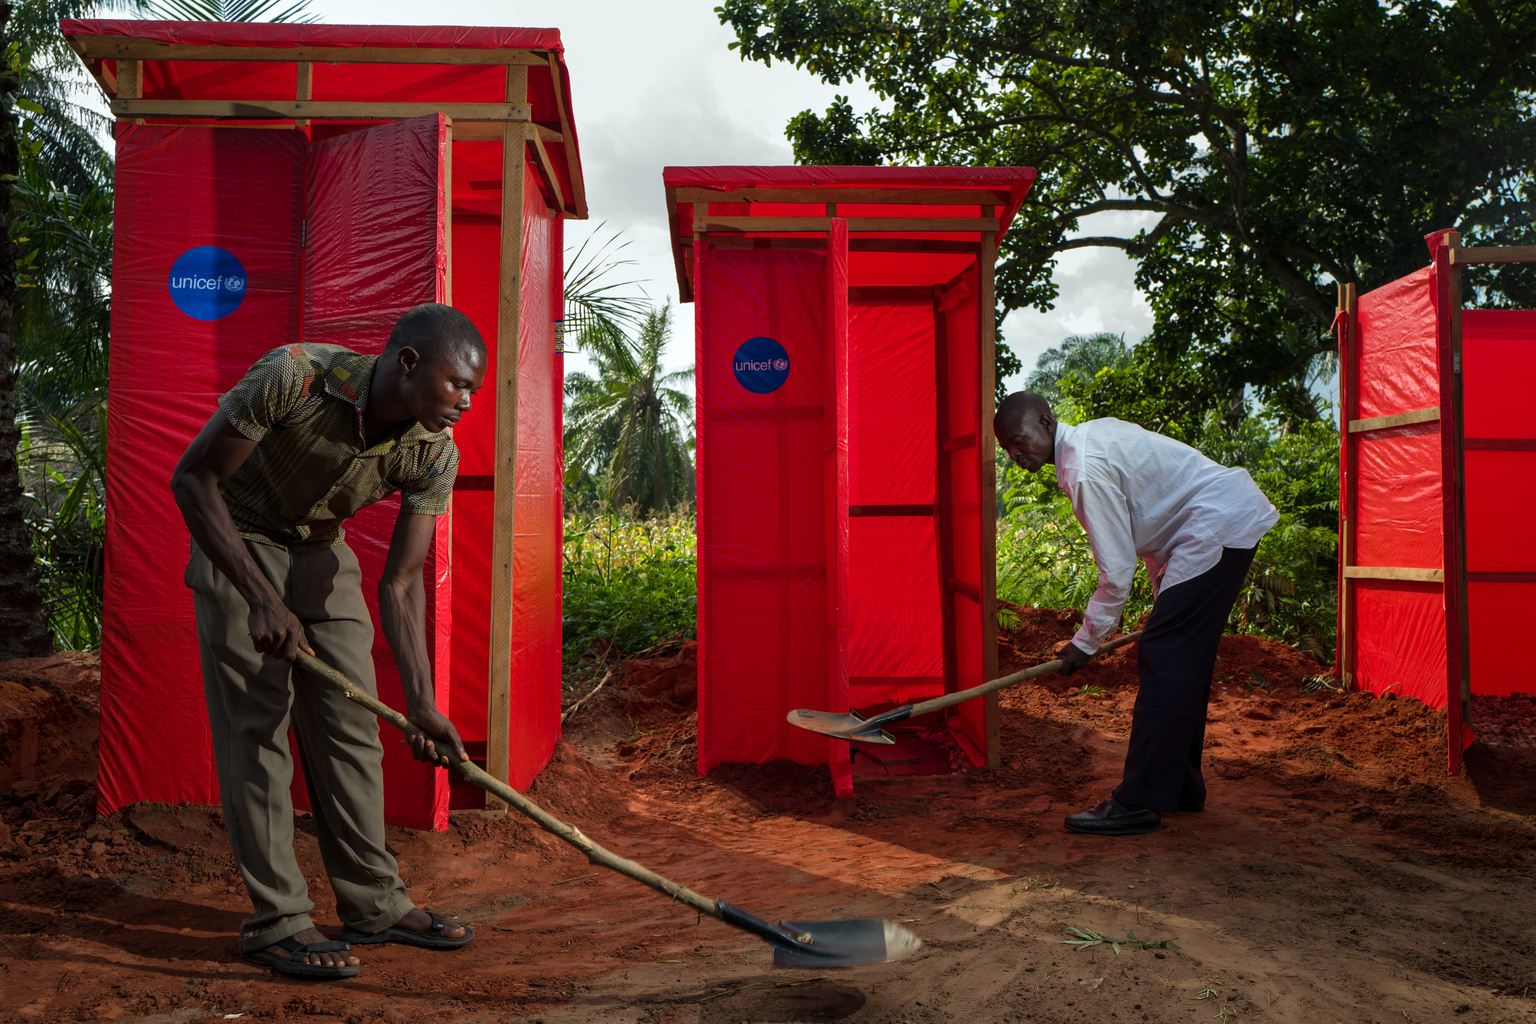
287, 183
846, 496
1437, 488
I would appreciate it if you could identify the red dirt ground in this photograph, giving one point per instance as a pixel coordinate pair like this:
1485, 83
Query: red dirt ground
1337, 875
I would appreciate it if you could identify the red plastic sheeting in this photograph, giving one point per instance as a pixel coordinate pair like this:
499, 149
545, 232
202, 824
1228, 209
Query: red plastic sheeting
376, 208
177, 188
1399, 625
839, 520
1499, 378
761, 520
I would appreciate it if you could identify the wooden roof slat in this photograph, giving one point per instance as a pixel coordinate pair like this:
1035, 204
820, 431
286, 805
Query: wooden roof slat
775, 224
129, 48
956, 196
317, 110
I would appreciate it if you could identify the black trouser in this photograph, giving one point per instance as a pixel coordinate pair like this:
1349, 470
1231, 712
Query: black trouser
1175, 658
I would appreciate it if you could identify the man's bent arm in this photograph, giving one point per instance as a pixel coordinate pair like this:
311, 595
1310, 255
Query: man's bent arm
403, 614
215, 454
1107, 521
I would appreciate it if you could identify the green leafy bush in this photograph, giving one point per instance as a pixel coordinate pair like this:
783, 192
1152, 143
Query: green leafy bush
628, 579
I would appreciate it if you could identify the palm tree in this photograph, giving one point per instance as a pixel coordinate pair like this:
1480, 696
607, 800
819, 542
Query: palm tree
23, 627
593, 302
1079, 356
631, 425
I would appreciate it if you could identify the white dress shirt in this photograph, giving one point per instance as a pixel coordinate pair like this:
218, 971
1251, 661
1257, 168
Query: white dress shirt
1143, 495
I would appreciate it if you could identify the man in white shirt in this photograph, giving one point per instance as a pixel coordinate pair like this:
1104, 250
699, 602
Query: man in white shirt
1195, 523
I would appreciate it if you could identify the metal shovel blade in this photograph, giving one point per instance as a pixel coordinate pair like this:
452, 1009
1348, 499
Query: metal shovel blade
845, 943
818, 944
841, 726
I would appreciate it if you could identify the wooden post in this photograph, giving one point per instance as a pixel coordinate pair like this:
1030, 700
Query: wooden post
1349, 407
447, 211
1452, 422
498, 756
130, 80
944, 508
987, 459
305, 87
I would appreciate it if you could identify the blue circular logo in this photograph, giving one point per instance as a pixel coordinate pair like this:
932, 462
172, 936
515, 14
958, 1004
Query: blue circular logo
761, 365
207, 283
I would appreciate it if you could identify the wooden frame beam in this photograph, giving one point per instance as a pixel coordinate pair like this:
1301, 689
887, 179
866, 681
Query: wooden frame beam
1377, 572
870, 196
854, 244
548, 168
315, 110
1397, 419
1349, 391
498, 754
129, 48
710, 223
1460, 256
1499, 444
568, 140
987, 462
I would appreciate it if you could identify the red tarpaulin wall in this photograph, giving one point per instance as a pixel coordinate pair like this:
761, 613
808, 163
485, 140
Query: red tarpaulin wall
177, 188
839, 520
377, 213
1403, 634
1498, 351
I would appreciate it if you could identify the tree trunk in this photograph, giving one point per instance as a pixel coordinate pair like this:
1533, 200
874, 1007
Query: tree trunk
23, 622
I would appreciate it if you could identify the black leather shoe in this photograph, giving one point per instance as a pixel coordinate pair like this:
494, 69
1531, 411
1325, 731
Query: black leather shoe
1191, 807
1113, 818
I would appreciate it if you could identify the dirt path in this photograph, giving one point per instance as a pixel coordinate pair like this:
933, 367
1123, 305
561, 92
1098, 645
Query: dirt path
1337, 875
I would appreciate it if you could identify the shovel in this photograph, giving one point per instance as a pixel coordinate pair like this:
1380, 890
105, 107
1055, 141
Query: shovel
853, 726
814, 944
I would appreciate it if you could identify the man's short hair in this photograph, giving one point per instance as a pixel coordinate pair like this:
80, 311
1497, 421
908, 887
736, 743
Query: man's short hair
434, 330
1018, 408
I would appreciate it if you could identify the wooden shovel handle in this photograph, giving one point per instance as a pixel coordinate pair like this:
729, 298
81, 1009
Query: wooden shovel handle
548, 822
951, 699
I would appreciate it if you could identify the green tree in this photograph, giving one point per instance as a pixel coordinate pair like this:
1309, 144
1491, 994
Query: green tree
631, 425
1079, 356
1272, 148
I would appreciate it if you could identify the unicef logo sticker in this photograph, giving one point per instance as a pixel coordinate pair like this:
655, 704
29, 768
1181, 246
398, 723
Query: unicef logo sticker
761, 365
207, 283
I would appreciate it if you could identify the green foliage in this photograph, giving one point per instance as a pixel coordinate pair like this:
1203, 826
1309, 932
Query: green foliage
631, 425
231, 10
628, 579
1272, 148
592, 301
65, 473
1087, 938
836, 138
1079, 357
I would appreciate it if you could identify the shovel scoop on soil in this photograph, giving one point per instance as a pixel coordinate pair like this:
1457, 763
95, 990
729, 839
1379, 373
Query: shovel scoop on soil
816, 944
851, 725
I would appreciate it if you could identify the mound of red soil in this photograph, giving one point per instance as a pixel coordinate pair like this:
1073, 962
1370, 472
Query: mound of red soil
49, 710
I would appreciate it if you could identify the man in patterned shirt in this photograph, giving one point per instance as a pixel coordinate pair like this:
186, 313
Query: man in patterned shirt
312, 434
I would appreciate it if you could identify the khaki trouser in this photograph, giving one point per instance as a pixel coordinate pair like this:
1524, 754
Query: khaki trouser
252, 702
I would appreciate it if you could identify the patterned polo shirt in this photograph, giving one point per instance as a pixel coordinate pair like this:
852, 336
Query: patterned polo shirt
312, 468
